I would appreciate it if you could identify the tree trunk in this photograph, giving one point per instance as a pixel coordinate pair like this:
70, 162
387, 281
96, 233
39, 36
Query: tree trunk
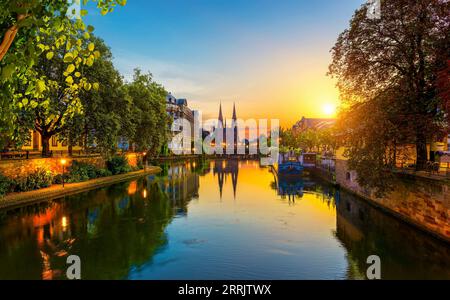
421, 150
45, 140
70, 147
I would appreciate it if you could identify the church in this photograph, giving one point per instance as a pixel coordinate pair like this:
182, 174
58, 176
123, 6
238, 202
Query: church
228, 131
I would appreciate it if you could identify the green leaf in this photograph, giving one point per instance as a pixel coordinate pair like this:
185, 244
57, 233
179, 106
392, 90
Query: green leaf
7, 71
70, 68
68, 58
40, 86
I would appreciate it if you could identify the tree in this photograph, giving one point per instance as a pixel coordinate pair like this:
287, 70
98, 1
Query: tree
30, 15
48, 93
396, 56
148, 113
107, 111
20, 21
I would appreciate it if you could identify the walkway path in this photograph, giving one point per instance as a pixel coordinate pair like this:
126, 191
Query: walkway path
57, 191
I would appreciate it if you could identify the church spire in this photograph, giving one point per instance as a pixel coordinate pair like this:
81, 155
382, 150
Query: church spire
234, 111
220, 114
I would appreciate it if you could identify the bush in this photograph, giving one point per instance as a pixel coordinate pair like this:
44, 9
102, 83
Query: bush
103, 173
80, 171
37, 180
118, 165
5, 185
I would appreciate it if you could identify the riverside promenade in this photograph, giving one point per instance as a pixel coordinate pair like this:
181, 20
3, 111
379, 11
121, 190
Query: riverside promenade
57, 190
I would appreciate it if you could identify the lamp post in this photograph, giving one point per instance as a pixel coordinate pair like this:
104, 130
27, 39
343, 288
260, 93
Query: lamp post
145, 160
63, 163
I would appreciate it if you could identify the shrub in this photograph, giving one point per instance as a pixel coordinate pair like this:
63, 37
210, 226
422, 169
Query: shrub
118, 165
140, 163
39, 179
5, 185
103, 173
80, 171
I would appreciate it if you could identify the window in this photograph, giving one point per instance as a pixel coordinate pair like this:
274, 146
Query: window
348, 176
64, 143
54, 142
28, 142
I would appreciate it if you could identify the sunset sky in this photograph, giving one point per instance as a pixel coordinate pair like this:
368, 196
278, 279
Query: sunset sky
270, 57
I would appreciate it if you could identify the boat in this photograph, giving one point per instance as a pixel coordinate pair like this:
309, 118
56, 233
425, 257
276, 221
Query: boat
290, 165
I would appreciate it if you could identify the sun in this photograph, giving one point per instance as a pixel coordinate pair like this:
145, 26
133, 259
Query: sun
329, 109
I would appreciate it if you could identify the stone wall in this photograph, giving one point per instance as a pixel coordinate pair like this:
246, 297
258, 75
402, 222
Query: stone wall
422, 202
22, 168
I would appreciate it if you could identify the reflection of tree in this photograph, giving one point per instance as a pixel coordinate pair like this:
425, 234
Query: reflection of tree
112, 230
365, 231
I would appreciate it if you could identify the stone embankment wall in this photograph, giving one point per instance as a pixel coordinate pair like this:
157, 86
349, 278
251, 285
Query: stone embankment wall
24, 167
422, 202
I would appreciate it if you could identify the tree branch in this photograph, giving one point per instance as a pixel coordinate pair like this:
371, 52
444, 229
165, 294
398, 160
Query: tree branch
10, 35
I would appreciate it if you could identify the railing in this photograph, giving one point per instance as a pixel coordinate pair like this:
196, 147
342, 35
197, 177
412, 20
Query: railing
26, 154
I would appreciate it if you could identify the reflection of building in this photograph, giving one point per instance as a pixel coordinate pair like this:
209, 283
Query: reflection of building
223, 168
364, 230
181, 186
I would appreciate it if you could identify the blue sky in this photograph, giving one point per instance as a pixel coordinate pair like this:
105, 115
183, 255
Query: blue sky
260, 53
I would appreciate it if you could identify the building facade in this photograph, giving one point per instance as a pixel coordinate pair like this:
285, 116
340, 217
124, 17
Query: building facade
179, 110
56, 146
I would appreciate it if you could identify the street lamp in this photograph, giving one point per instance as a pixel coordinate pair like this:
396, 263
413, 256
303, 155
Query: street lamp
63, 163
145, 160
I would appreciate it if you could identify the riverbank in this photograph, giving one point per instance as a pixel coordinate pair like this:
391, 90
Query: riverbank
418, 201
56, 191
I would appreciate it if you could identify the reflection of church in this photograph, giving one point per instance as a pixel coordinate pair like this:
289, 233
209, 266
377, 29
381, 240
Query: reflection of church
223, 168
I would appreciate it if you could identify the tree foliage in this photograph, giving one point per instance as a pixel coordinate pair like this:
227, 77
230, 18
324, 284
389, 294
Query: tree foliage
47, 95
20, 22
148, 113
107, 111
386, 71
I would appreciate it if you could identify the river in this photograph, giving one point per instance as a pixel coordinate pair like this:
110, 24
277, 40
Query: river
221, 219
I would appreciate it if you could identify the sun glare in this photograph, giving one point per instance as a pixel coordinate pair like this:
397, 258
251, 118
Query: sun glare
329, 109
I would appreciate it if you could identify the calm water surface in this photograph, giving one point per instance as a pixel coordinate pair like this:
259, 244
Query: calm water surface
214, 220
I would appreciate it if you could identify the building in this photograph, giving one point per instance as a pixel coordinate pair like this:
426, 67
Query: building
56, 146
178, 110
314, 124
231, 130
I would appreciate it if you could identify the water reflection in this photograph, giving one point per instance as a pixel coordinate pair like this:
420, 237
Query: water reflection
214, 220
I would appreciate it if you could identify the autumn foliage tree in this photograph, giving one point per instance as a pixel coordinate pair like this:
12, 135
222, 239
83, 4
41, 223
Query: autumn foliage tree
388, 68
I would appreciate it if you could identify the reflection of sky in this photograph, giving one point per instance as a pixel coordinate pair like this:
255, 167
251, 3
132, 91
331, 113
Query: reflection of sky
256, 235
261, 53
